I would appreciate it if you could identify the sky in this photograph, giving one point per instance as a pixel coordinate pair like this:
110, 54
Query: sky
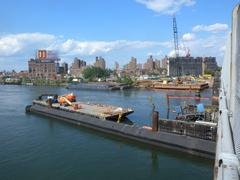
115, 30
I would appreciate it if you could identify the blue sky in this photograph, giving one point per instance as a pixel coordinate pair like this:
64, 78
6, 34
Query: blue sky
113, 29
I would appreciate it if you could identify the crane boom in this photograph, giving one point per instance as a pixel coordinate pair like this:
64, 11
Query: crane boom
175, 35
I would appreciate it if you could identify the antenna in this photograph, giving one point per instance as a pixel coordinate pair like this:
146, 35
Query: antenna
175, 35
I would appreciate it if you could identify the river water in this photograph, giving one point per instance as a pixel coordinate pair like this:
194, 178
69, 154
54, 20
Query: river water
36, 147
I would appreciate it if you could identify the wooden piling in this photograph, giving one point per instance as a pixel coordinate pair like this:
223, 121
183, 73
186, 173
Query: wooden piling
50, 103
155, 117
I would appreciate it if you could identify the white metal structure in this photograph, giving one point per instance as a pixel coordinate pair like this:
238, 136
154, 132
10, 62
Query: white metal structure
227, 164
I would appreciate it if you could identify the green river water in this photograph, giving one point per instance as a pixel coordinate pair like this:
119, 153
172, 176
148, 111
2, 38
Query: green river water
36, 147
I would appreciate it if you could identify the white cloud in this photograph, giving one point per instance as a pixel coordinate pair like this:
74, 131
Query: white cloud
26, 44
11, 44
217, 27
210, 46
173, 54
89, 48
72, 46
166, 6
188, 37
16, 49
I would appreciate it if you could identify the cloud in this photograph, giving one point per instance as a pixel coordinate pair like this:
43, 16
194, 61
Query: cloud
166, 6
16, 49
213, 45
72, 46
214, 28
26, 43
89, 48
188, 37
173, 54
11, 44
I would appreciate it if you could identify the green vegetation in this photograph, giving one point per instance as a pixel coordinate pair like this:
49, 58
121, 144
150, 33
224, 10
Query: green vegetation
126, 80
209, 73
47, 82
69, 80
219, 69
94, 73
25, 80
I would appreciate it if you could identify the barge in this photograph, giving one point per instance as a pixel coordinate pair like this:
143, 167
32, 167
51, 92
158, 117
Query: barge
99, 86
158, 84
174, 86
153, 136
67, 103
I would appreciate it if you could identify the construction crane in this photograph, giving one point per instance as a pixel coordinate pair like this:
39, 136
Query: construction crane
176, 45
175, 35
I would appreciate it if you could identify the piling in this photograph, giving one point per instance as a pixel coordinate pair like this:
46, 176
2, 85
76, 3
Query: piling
50, 103
155, 117
198, 94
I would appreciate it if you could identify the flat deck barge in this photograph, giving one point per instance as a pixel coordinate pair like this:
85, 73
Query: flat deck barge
199, 87
156, 84
99, 86
144, 134
101, 111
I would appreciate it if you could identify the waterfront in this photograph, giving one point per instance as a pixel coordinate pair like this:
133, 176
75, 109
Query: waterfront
35, 147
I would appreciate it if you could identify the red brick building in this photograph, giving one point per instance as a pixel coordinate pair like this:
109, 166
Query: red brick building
43, 67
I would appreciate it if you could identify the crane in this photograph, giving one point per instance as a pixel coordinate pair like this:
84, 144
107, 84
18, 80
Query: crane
175, 36
176, 45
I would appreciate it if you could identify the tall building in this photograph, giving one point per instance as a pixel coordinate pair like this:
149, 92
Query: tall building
116, 66
131, 67
157, 64
139, 67
100, 62
165, 62
149, 65
181, 66
209, 64
43, 66
65, 68
77, 67
152, 66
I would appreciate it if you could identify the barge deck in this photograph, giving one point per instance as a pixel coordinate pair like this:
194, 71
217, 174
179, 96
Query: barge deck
99, 86
199, 87
94, 110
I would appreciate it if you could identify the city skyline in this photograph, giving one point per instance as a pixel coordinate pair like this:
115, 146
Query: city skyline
114, 30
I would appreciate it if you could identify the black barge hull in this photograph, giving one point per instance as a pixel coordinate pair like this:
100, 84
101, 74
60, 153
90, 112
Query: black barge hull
191, 145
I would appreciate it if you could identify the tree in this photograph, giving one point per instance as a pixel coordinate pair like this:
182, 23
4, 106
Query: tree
126, 80
209, 72
69, 80
93, 73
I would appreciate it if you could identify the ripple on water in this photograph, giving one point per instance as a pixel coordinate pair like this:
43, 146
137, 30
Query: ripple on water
35, 146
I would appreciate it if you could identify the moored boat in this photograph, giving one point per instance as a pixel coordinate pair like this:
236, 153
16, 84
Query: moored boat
68, 103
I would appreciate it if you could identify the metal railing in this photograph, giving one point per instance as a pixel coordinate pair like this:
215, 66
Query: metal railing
189, 129
227, 164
